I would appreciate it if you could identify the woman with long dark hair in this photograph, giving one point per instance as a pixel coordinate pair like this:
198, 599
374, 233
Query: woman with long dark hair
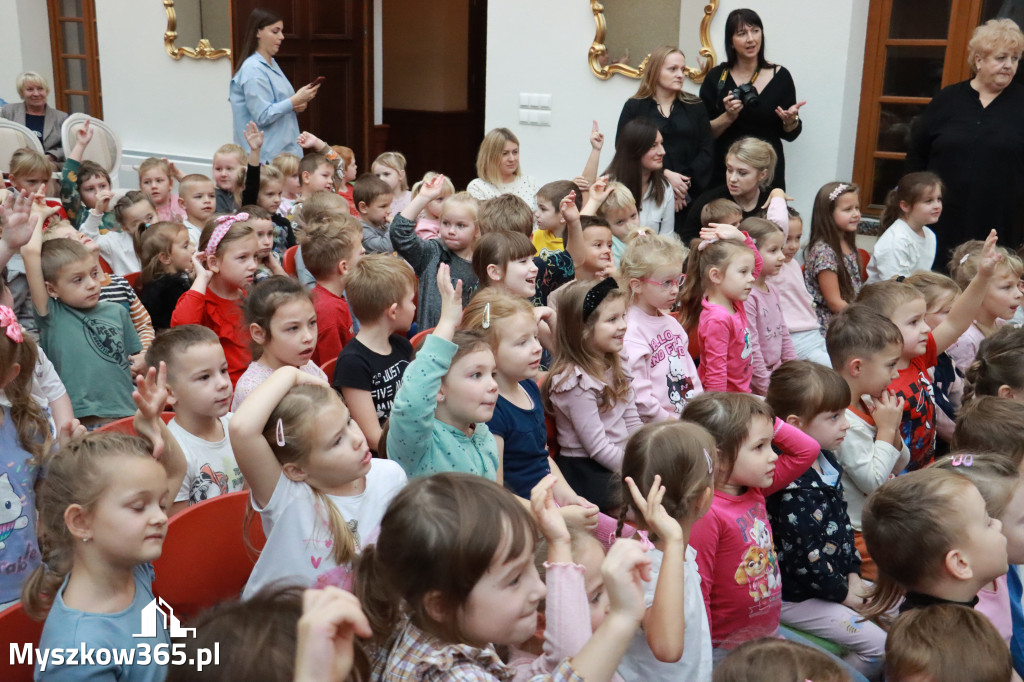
639, 164
260, 92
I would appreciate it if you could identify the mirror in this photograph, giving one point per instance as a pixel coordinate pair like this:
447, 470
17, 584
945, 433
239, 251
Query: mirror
203, 23
626, 35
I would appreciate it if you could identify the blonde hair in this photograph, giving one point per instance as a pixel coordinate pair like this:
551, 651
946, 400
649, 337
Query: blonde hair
159, 164
886, 296
25, 162
488, 158
757, 154
396, 162
718, 210
778, 660
991, 36
488, 306
963, 265
465, 199
994, 475
645, 252
328, 241
506, 212
447, 188
287, 163
30, 78
232, 149
718, 254
189, 181
158, 240
317, 207
932, 286
77, 474
269, 173
619, 197
377, 282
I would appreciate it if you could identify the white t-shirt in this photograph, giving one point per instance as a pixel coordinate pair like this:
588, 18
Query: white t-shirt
211, 469
901, 251
695, 665
298, 548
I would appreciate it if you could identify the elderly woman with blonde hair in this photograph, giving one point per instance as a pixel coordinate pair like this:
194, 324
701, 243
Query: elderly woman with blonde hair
35, 114
972, 136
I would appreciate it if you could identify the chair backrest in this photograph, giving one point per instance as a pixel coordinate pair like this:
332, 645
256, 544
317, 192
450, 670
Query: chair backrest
418, 339
125, 425
205, 559
104, 149
328, 368
14, 136
17, 628
288, 262
132, 278
863, 257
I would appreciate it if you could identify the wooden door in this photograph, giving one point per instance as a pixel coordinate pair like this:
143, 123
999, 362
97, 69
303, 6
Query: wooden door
76, 64
328, 38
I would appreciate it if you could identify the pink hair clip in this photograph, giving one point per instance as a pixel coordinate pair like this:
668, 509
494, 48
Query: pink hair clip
962, 460
10, 320
704, 244
711, 466
834, 194
279, 433
223, 224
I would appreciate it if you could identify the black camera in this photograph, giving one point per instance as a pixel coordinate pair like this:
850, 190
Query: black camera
746, 94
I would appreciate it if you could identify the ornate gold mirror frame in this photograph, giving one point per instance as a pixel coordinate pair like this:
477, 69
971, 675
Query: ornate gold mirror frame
599, 58
203, 50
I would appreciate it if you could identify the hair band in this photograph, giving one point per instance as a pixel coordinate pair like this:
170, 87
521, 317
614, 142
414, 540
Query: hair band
10, 320
704, 244
962, 460
597, 294
900, 278
711, 467
279, 433
487, 316
964, 259
223, 224
834, 194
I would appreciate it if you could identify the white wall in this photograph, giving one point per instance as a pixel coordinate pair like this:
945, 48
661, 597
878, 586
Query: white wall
821, 43
24, 44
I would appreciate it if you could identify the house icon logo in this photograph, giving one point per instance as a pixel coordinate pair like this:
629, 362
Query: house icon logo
155, 613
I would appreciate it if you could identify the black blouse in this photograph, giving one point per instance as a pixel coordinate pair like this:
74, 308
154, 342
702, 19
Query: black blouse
979, 154
690, 229
686, 133
756, 121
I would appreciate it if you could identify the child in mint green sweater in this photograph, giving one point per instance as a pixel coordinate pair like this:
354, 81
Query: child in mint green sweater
448, 393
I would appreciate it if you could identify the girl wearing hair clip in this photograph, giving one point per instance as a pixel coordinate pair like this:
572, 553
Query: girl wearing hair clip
831, 263
588, 391
224, 268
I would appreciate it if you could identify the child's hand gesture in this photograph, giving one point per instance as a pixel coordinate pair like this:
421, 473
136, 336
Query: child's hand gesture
567, 207
16, 220
432, 188
625, 570
451, 302
103, 198
887, 412
83, 134
308, 140
599, 190
151, 398
331, 620
199, 271
990, 258
655, 516
596, 137
70, 430
582, 183
720, 231
549, 519
175, 172
776, 194
253, 136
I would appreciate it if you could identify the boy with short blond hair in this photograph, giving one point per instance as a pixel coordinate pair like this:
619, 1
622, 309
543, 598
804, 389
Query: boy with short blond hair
372, 197
725, 211
332, 247
197, 196
228, 173
199, 389
380, 291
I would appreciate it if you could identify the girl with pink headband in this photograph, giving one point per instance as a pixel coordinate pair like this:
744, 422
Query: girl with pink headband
224, 268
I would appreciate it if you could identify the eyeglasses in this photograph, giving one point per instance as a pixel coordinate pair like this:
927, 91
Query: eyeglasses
666, 284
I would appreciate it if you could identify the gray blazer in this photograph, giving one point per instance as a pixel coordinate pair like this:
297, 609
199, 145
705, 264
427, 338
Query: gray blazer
52, 122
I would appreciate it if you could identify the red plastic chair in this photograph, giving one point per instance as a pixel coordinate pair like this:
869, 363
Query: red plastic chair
862, 258
17, 628
125, 425
288, 262
418, 339
133, 279
105, 266
328, 368
205, 559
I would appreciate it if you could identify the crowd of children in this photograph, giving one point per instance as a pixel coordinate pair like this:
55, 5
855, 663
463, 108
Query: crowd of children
497, 436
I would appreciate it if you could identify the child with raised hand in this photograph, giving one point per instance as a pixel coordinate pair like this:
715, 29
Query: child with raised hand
390, 167
228, 247
905, 306
721, 273
822, 591
925, 557
831, 260
779, 660
769, 336
614, 203
282, 326
25, 441
85, 186
1000, 484
102, 510
668, 479
156, 180
134, 213
264, 186
655, 348
439, 417
739, 569
167, 252
452, 576
905, 244
588, 392
313, 481
998, 369
459, 234
1000, 300
865, 348
428, 223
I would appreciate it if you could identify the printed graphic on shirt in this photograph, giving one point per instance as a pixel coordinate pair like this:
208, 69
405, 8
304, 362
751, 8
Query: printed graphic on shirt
208, 484
918, 426
758, 568
747, 350
385, 385
680, 386
338, 576
106, 340
11, 518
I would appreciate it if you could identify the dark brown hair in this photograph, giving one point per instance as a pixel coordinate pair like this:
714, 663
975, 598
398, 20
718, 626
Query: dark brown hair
375, 283
727, 417
367, 188
806, 389
265, 299
825, 230
499, 248
1000, 362
634, 140
991, 424
859, 332
911, 189
259, 17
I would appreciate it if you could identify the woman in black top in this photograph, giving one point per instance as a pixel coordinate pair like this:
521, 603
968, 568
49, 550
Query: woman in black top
683, 122
972, 136
773, 118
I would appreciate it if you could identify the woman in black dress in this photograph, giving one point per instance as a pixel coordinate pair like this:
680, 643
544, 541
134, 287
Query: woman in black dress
972, 136
773, 117
682, 120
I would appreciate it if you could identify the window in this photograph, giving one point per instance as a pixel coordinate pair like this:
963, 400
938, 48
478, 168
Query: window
914, 48
76, 65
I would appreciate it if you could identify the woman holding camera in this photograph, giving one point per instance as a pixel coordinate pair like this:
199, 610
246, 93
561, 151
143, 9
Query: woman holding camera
747, 96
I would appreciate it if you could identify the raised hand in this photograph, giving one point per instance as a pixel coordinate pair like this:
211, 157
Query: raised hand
599, 190
653, 511
776, 194
103, 199
432, 188
720, 231
546, 512
16, 220
83, 135
582, 183
596, 137
150, 398
70, 430
451, 302
253, 136
331, 620
308, 140
990, 257
567, 207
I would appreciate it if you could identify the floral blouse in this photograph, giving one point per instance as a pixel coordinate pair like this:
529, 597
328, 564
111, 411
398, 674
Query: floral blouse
820, 257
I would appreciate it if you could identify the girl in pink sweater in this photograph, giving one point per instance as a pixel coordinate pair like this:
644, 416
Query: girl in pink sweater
654, 349
721, 273
588, 392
